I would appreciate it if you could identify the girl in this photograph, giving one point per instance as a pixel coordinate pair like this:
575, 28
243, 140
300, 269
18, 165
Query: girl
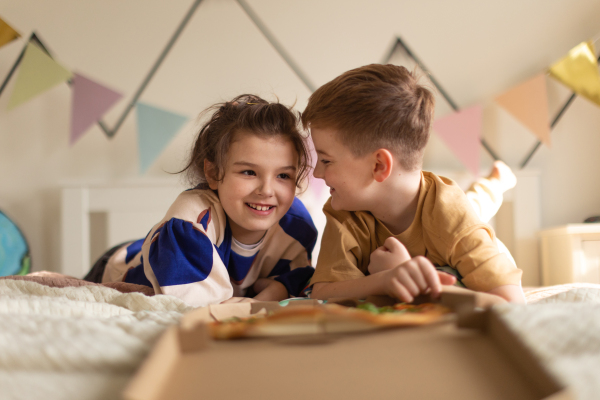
240, 231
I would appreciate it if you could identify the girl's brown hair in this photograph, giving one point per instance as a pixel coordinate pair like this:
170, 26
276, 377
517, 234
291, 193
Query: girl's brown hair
245, 113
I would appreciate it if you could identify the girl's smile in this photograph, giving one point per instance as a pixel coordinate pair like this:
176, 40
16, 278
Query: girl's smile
261, 209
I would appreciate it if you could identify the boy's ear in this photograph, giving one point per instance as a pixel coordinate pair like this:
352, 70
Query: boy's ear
209, 174
383, 164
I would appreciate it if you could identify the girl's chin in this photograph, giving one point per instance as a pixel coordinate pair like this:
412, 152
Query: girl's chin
251, 236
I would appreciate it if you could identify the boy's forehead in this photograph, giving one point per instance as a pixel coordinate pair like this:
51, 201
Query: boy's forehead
328, 142
325, 136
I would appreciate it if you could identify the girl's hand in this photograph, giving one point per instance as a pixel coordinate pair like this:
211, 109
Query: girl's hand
413, 277
388, 256
269, 290
239, 300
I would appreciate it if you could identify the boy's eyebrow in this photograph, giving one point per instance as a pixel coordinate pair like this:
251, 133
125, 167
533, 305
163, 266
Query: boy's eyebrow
249, 164
323, 152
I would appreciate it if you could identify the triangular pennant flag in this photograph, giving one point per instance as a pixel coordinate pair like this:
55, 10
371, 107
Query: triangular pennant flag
156, 128
579, 71
38, 73
461, 131
90, 101
528, 103
7, 33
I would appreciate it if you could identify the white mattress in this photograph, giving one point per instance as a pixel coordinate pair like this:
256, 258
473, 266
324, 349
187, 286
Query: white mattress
86, 342
76, 343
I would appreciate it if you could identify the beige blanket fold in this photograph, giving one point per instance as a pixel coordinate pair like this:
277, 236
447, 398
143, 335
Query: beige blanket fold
55, 279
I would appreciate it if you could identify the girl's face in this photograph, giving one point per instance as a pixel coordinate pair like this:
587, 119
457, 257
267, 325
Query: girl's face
259, 184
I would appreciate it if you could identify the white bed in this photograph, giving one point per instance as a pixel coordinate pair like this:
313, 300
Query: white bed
87, 342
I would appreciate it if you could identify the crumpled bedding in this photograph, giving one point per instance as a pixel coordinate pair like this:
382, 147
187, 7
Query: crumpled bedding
81, 342
572, 292
561, 324
54, 279
86, 342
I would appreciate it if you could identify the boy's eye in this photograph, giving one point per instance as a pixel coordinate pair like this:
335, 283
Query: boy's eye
325, 161
249, 172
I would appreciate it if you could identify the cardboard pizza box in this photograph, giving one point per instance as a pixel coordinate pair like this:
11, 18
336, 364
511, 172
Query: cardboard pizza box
472, 356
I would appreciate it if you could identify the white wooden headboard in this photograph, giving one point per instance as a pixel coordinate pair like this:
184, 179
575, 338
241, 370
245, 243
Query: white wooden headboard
130, 212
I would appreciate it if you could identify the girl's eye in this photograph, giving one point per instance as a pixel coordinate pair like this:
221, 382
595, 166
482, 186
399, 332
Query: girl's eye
249, 172
283, 176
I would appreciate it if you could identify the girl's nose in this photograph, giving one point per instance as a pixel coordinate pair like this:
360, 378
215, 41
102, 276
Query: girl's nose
266, 188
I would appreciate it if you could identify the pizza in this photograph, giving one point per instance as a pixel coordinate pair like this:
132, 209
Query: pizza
328, 318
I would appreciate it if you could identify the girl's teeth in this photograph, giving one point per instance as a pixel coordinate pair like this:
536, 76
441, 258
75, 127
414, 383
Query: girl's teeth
259, 208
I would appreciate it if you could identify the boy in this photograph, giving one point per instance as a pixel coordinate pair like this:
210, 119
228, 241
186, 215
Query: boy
388, 221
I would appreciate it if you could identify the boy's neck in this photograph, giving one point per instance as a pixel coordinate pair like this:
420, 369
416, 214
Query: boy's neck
398, 200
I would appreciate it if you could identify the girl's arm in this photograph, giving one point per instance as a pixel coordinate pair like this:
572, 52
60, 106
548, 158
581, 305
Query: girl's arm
270, 290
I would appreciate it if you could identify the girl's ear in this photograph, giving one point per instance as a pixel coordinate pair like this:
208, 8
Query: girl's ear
209, 174
383, 164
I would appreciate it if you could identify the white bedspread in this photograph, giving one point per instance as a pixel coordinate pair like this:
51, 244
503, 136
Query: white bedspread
86, 342
77, 342
562, 326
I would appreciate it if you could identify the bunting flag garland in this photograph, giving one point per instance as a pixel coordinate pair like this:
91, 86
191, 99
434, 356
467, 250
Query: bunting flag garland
156, 128
461, 131
528, 103
37, 74
579, 71
91, 101
7, 33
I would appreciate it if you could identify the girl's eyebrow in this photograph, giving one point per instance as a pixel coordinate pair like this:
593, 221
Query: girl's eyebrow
249, 164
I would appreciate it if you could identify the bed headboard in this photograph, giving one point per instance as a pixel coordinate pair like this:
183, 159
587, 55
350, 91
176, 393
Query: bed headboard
97, 217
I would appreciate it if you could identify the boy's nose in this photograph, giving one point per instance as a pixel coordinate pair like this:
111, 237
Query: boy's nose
318, 171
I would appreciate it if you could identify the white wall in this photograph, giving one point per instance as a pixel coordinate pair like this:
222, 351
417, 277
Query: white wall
476, 50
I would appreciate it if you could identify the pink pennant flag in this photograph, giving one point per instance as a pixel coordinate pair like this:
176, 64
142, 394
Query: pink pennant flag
91, 101
461, 131
528, 103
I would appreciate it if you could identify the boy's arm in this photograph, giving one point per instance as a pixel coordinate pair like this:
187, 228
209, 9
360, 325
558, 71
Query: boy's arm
357, 288
404, 282
484, 267
510, 293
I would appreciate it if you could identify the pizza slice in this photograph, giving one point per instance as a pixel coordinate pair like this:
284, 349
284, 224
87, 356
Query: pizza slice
328, 318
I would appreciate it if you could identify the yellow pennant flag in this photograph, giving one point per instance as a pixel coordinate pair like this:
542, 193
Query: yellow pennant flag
7, 33
579, 71
38, 72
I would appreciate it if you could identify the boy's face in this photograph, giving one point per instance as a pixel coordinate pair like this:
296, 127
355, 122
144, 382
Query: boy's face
349, 177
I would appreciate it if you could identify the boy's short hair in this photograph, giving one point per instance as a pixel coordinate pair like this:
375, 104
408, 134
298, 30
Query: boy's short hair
375, 106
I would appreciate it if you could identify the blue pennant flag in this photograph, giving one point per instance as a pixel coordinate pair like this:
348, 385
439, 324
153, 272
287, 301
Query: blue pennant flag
156, 128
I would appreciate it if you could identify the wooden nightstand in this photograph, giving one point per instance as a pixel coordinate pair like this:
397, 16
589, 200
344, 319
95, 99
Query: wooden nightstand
571, 253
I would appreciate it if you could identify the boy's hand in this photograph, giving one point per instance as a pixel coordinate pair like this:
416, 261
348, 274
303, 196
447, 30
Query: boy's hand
413, 277
388, 256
